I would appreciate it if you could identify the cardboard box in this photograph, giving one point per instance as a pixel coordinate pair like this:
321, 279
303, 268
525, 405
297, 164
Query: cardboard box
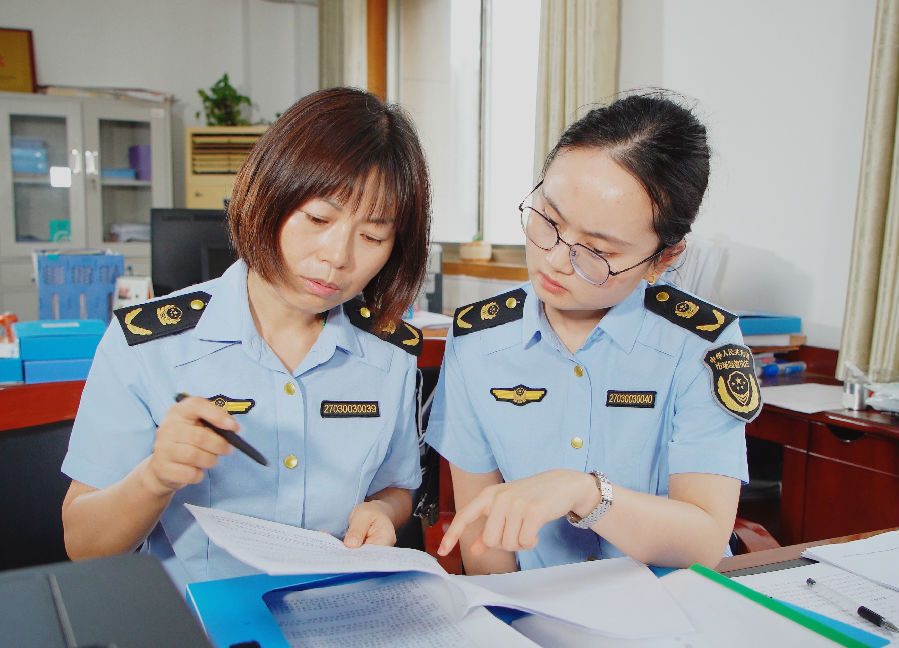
58, 339
42, 371
10, 370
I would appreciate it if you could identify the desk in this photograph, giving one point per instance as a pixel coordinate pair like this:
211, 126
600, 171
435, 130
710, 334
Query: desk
838, 470
35, 424
781, 557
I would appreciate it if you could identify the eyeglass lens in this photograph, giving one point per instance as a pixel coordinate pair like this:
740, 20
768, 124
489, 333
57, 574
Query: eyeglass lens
544, 235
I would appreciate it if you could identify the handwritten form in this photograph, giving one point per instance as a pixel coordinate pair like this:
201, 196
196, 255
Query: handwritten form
789, 585
634, 603
876, 558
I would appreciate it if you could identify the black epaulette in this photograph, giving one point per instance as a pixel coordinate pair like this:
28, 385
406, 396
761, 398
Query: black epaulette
687, 311
488, 313
162, 317
401, 334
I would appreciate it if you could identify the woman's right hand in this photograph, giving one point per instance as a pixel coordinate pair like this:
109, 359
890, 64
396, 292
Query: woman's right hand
184, 447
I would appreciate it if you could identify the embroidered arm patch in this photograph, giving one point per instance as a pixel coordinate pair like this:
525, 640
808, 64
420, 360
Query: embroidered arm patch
734, 384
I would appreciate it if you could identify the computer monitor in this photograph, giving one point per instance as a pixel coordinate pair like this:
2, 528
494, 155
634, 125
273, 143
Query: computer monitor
187, 246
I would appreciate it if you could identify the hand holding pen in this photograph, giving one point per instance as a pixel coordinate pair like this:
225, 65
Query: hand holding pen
845, 603
186, 447
231, 437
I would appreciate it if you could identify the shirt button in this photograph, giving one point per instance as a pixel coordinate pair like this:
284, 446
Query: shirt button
578, 371
290, 389
577, 443
291, 461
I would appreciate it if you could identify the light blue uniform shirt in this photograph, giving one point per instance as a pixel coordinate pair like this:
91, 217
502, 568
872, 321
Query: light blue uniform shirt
341, 460
630, 350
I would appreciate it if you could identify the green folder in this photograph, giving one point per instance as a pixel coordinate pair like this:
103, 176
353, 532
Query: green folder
788, 611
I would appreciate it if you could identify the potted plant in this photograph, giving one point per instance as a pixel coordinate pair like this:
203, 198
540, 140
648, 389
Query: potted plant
477, 251
222, 104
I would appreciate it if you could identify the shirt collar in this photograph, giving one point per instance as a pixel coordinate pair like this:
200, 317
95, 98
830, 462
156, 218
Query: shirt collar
622, 323
227, 317
532, 319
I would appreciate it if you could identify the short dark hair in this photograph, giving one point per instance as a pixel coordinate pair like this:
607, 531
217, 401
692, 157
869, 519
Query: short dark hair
329, 144
662, 144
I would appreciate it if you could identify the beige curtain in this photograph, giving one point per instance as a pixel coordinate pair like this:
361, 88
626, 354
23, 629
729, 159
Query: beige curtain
871, 321
342, 38
578, 65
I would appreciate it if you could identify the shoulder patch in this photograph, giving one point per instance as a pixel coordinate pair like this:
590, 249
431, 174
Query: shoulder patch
162, 317
401, 334
734, 384
687, 311
488, 313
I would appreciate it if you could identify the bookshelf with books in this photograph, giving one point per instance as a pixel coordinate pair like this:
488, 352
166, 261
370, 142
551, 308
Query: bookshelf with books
770, 336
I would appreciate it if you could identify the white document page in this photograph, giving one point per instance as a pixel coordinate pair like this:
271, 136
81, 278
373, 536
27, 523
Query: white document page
789, 585
283, 549
807, 397
721, 618
395, 611
876, 558
619, 595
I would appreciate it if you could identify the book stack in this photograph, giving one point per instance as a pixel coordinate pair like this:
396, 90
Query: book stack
769, 336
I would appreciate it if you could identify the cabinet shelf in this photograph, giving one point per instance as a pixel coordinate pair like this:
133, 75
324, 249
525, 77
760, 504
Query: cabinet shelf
87, 136
125, 182
31, 178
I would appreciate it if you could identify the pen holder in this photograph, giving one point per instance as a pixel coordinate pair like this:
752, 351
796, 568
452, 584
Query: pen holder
854, 395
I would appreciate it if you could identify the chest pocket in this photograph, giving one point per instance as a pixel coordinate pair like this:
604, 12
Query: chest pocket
635, 430
521, 421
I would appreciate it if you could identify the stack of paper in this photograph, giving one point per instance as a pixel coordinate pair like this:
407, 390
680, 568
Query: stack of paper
390, 597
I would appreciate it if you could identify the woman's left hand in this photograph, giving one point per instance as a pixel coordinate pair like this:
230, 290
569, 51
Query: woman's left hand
369, 524
515, 511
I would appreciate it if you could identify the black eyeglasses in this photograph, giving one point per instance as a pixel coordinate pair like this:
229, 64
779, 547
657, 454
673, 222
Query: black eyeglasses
591, 266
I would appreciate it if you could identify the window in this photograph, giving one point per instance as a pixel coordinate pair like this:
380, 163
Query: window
468, 76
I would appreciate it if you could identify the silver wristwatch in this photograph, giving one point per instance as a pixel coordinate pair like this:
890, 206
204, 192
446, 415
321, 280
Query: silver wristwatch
605, 503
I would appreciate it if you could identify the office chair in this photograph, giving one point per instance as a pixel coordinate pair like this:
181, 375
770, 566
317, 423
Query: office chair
424, 499
31, 524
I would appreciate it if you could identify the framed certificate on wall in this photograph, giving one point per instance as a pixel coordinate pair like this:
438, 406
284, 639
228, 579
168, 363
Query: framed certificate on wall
17, 72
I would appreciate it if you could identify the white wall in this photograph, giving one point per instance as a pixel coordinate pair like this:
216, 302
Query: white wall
781, 85
268, 49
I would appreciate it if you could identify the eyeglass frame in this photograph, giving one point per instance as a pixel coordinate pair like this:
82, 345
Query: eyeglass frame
571, 251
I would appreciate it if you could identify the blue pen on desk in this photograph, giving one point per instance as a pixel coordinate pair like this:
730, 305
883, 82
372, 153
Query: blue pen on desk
845, 603
232, 437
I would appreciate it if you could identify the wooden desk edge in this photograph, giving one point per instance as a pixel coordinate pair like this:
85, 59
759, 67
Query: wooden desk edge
784, 554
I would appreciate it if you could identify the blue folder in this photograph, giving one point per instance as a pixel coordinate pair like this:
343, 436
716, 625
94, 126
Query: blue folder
232, 610
764, 323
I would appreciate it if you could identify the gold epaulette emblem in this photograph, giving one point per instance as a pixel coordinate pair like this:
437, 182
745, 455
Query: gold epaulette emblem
695, 315
518, 395
162, 317
489, 313
233, 405
734, 384
406, 337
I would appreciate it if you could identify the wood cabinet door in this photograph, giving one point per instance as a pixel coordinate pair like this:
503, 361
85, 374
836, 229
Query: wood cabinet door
852, 482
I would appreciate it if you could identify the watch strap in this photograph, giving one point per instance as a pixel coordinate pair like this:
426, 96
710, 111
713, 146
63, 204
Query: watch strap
605, 503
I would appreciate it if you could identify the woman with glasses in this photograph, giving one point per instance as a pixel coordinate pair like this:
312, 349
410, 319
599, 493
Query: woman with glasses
598, 411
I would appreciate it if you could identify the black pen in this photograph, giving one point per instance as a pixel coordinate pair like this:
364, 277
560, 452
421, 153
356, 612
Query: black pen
845, 603
231, 437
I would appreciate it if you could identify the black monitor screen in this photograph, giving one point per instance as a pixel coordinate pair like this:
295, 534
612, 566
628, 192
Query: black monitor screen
187, 246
